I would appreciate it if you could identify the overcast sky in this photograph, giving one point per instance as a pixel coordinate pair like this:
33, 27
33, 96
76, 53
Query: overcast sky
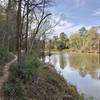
74, 14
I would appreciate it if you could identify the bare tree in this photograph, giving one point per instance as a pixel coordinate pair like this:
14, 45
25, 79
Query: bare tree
29, 10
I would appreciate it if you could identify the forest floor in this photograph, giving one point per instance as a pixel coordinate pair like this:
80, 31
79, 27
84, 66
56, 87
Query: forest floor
5, 75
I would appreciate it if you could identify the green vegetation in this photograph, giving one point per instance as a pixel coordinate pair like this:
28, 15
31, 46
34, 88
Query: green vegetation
60, 43
36, 81
86, 40
4, 58
83, 41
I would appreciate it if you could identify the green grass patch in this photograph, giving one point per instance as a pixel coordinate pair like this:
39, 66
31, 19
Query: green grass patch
5, 57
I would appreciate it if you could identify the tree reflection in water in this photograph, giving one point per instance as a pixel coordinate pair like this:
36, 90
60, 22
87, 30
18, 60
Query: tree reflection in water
62, 60
81, 70
86, 64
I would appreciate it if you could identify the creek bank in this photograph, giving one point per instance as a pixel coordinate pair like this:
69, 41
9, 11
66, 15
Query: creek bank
76, 51
37, 81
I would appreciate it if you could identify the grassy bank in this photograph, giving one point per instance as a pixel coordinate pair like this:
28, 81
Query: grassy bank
5, 57
34, 80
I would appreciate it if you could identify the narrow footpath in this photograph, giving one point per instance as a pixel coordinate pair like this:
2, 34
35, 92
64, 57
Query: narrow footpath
5, 76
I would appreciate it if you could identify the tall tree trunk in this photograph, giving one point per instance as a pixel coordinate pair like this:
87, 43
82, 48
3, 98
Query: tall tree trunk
49, 49
18, 34
27, 23
43, 48
8, 10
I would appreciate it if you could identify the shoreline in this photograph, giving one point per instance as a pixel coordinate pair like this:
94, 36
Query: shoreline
74, 52
45, 83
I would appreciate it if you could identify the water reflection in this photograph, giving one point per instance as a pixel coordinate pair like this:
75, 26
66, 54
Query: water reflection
86, 64
62, 60
81, 70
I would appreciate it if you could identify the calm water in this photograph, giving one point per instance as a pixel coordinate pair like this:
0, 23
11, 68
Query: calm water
81, 70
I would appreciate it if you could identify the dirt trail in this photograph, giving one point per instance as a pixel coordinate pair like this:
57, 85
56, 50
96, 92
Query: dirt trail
5, 75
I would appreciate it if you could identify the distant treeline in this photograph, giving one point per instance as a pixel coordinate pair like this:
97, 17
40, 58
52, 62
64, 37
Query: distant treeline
83, 40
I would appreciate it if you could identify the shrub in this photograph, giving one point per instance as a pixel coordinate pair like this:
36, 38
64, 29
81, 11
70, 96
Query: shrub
21, 78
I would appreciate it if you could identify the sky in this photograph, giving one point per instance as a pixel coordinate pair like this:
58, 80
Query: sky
74, 14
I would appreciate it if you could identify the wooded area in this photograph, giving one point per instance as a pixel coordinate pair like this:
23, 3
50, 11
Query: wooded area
24, 23
87, 41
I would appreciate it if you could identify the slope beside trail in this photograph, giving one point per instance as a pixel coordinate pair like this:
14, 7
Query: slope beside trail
5, 75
